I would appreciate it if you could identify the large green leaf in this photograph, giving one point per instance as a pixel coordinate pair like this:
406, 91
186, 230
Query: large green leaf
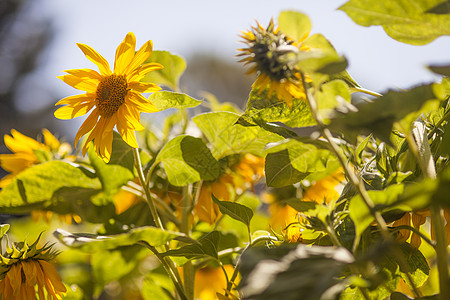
169, 76
206, 246
45, 184
235, 210
294, 24
379, 116
186, 159
227, 137
92, 243
404, 20
164, 100
291, 161
118, 171
260, 107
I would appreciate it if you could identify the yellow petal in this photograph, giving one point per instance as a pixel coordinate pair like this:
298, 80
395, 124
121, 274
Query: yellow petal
124, 54
96, 58
142, 104
15, 163
143, 87
50, 139
53, 275
85, 73
70, 112
21, 143
95, 134
143, 70
127, 120
87, 85
76, 99
128, 136
87, 125
141, 56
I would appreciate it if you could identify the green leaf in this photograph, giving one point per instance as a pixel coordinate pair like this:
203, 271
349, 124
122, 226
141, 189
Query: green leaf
206, 246
108, 266
235, 210
291, 161
3, 229
45, 184
416, 264
441, 8
157, 285
92, 243
227, 137
186, 159
440, 69
259, 107
406, 21
165, 100
294, 24
169, 76
360, 213
300, 206
322, 60
379, 116
118, 171
327, 97
360, 149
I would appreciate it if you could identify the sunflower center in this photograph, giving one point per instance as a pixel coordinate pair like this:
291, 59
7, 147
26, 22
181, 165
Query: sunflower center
111, 92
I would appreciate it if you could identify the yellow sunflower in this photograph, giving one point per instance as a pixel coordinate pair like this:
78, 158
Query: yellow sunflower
273, 55
114, 97
28, 152
25, 267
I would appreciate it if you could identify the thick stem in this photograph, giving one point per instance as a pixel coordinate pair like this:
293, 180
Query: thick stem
437, 217
148, 197
188, 269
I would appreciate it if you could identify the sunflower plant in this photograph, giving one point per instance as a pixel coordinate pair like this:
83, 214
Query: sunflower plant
221, 203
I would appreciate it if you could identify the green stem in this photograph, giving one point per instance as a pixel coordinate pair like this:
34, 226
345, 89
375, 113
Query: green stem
148, 197
365, 91
188, 269
437, 217
175, 279
416, 231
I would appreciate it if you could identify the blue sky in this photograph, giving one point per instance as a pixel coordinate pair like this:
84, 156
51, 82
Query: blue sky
184, 27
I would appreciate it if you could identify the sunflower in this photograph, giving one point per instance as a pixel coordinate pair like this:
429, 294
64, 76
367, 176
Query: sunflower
28, 152
114, 97
273, 55
25, 267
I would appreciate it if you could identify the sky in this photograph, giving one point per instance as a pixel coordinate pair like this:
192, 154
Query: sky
184, 27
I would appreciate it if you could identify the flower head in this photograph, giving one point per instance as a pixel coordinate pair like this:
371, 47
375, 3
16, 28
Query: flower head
114, 97
28, 152
23, 267
273, 58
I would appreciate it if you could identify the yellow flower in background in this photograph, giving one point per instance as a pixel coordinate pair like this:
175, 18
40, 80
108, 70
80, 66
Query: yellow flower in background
210, 281
25, 273
273, 58
25, 150
324, 190
416, 219
286, 219
114, 97
240, 176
